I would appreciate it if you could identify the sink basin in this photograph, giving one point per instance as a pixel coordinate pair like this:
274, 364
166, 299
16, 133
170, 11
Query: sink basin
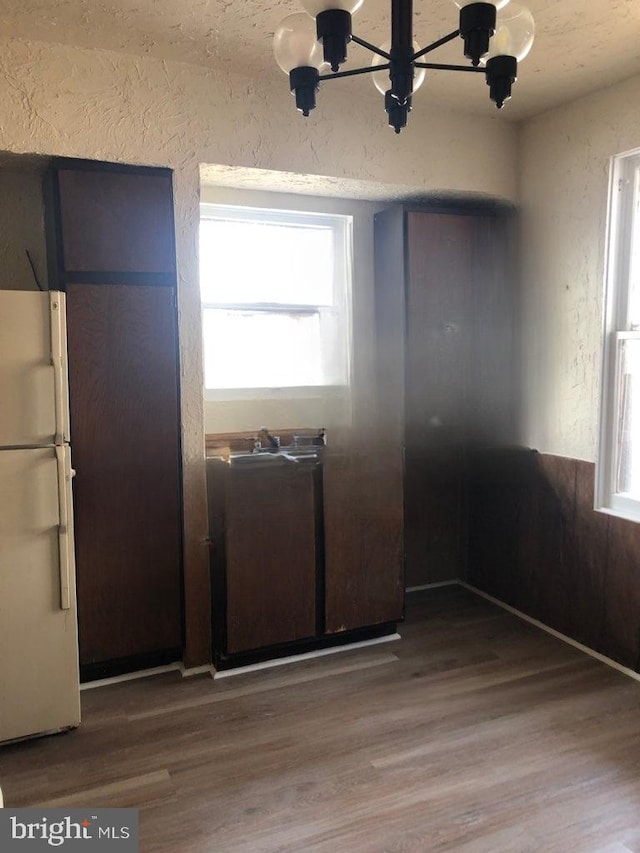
283, 456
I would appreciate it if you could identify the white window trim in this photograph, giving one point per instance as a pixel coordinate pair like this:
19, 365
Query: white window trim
615, 330
336, 317
287, 392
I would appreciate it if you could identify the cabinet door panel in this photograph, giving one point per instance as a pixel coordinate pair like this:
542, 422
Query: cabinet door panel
363, 501
439, 288
363, 542
116, 221
270, 557
494, 368
125, 439
439, 299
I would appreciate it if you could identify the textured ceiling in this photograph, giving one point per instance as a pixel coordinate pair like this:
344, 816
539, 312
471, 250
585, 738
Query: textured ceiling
247, 178
580, 46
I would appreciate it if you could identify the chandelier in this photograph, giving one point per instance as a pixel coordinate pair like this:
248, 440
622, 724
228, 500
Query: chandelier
496, 37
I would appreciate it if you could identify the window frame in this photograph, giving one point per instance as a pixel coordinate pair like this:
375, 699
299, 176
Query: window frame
335, 319
623, 217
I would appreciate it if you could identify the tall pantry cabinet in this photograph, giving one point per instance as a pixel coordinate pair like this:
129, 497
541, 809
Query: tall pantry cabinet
111, 247
445, 308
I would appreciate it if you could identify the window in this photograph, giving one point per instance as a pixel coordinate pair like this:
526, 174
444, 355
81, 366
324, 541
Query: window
275, 287
618, 470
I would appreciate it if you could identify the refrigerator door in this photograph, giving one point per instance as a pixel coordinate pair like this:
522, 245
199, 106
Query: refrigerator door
39, 680
34, 408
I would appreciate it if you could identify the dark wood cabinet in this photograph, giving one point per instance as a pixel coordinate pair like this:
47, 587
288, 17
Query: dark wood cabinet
270, 547
363, 538
107, 222
363, 474
116, 221
292, 572
445, 305
111, 242
124, 433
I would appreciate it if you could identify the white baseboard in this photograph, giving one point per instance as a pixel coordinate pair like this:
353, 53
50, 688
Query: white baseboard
132, 676
438, 585
565, 639
197, 670
146, 673
319, 653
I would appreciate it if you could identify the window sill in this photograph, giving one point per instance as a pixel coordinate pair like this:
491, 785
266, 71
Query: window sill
626, 513
230, 395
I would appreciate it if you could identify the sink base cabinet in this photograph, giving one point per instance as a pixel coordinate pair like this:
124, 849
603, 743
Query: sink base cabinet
267, 564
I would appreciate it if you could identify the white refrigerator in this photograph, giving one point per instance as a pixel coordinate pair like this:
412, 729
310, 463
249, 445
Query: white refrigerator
39, 678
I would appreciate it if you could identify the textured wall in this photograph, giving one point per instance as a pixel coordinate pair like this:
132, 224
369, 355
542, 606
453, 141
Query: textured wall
21, 228
276, 413
105, 105
62, 100
564, 158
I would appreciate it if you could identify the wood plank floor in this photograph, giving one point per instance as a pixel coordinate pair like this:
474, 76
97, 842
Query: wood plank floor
476, 732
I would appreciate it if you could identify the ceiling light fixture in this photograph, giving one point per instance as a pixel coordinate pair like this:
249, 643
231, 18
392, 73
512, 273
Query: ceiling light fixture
496, 37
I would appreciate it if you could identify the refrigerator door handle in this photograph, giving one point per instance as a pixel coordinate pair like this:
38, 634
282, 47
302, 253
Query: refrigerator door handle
65, 544
58, 360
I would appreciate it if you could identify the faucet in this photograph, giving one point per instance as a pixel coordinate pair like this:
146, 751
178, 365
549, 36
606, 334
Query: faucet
266, 441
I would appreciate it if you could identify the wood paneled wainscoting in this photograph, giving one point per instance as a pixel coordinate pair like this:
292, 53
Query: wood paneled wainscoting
536, 543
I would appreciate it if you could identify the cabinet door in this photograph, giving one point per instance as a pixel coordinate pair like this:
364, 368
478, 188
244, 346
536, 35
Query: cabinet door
363, 538
270, 556
113, 219
438, 363
493, 367
363, 499
439, 297
123, 387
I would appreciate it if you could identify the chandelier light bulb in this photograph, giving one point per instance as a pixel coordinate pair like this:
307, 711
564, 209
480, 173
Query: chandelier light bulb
515, 32
314, 7
499, 4
295, 43
381, 78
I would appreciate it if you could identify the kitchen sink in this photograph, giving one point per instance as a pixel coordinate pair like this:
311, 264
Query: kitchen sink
282, 456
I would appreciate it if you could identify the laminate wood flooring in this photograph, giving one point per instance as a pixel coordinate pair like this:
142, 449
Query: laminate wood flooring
477, 732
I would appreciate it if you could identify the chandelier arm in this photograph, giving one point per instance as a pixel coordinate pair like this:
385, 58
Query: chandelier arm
369, 70
435, 44
371, 47
439, 67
